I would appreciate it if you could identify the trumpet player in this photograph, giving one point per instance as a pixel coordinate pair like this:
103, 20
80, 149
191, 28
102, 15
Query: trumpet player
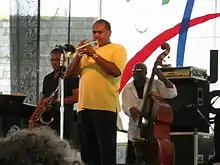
50, 83
100, 70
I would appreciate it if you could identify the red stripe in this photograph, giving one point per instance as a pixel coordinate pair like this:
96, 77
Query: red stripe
156, 42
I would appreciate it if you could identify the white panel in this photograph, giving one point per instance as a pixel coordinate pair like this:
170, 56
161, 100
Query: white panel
197, 52
203, 7
79, 8
155, 18
84, 8
127, 18
5, 10
204, 30
218, 20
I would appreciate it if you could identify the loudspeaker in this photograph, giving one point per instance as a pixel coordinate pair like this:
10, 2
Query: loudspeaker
191, 100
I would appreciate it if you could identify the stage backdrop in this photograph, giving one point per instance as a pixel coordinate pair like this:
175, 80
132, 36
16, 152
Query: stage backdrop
188, 26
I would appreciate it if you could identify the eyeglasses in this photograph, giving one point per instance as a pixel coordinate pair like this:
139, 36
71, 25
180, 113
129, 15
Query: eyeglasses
137, 70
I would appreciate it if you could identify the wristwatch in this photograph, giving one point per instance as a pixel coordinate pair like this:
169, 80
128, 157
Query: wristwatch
94, 55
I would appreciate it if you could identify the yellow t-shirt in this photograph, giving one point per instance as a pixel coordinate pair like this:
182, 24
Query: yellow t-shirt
98, 90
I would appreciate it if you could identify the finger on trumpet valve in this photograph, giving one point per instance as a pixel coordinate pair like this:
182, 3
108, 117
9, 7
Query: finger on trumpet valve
78, 54
82, 42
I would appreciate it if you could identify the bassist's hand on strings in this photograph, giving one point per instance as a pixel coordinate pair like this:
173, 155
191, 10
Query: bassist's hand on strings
134, 113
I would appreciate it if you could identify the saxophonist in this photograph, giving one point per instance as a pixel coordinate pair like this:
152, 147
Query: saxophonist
50, 83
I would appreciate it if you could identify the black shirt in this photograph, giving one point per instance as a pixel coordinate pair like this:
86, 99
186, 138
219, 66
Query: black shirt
50, 84
140, 89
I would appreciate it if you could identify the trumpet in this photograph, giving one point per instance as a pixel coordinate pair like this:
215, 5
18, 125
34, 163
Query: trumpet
72, 51
96, 43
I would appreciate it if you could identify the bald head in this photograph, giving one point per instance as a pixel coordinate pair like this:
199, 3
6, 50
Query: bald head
139, 71
141, 65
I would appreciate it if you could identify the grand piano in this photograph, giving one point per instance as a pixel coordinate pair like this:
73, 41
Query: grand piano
14, 112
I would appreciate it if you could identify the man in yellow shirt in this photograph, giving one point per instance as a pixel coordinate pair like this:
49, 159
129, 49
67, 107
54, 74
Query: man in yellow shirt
100, 71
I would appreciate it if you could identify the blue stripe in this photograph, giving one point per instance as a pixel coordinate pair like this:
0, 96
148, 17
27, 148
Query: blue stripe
183, 32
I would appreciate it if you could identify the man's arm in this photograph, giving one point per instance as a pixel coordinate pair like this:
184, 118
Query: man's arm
73, 85
164, 91
129, 104
72, 99
114, 67
73, 69
162, 78
109, 67
166, 88
126, 101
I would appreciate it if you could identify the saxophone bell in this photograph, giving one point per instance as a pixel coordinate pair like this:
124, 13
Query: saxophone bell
46, 118
43, 115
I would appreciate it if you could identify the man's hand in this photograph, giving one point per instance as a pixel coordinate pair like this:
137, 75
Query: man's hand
75, 91
82, 42
57, 100
87, 49
134, 112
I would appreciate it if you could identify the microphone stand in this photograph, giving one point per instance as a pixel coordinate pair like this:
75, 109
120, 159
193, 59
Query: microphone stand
69, 23
61, 94
61, 79
201, 115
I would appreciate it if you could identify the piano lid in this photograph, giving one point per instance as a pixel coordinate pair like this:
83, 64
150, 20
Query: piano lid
12, 105
13, 98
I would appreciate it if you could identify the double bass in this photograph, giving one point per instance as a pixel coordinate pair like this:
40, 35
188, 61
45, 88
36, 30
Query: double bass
154, 146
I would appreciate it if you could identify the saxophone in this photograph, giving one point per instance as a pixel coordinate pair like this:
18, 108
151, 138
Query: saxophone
38, 117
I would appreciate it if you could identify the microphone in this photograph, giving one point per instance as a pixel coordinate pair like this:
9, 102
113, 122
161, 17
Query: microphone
62, 67
67, 48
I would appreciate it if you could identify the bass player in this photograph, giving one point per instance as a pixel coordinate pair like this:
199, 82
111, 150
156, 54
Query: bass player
132, 98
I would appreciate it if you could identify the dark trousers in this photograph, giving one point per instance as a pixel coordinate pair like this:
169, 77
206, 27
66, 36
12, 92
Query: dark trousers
97, 133
130, 155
